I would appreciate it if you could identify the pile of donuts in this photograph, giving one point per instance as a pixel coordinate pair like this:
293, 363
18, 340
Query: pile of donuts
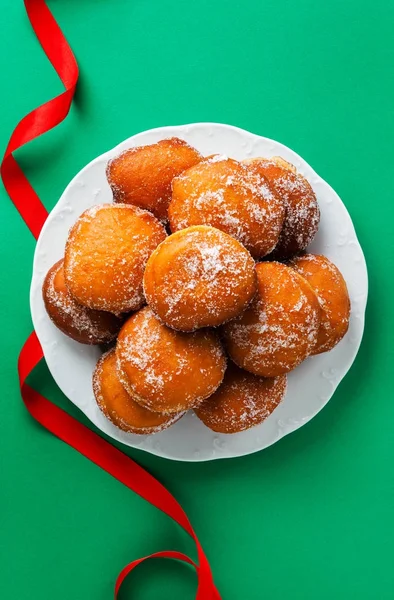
196, 283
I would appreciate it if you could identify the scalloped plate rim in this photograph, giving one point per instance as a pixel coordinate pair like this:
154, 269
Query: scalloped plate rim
298, 159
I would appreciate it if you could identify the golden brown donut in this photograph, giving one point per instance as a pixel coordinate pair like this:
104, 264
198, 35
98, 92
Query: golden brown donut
121, 408
106, 253
165, 370
226, 194
279, 329
199, 277
82, 324
142, 176
242, 401
330, 287
302, 210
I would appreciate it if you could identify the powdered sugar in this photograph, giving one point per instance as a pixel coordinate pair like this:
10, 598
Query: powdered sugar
106, 254
330, 288
77, 321
159, 366
242, 401
302, 211
231, 197
125, 414
199, 277
303, 215
280, 328
217, 158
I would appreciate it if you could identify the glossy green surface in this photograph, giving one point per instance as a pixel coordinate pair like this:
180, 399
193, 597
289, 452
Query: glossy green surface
311, 517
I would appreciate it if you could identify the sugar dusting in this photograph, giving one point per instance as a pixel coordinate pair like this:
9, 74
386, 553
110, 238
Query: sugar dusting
158, 365
233, 199
280, 328
210, 280
217, 158
302, 209
303, 214
87, 322
331, 291
114, 262
123, 424
242, 401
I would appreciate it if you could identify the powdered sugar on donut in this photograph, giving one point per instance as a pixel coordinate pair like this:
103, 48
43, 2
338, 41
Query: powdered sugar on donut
331, 291
159, 366
280, 328
136, 415
242, 401
302, 210
68, 315
230, 197
106, 257
199, 277
302, 215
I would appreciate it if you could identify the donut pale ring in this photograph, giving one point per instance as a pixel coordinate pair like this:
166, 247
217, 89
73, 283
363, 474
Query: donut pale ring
330, 287
199, 277
119, 407
142, 176
106, 253
302, 211
279, 330
224, 193
242, 401
165, 370
78, 322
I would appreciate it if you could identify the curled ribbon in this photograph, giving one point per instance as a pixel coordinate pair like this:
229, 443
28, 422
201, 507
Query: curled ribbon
50, 416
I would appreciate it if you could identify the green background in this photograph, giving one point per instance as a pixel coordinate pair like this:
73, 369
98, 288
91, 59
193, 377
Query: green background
313, 516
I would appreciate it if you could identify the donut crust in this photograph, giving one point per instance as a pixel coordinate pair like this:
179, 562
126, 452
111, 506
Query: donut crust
242, 401
165, 370
199, 277
279, 329
330, 287
106, 254
302, 210
225, 194
119, 406
142, 176
78, 322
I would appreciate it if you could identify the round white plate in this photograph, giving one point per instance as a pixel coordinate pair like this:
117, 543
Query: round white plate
310, 386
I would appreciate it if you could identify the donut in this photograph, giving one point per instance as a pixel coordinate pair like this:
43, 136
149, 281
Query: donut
242, 401
302, 210
106, 253
330, 287
142, 176
199, 277
279, 329
82, 324
165, 370
226, 194
119, 406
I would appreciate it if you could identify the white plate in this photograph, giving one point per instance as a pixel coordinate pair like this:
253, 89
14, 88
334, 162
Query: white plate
310, 386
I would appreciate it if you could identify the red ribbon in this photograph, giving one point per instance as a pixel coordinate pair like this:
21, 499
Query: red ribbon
53, 418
